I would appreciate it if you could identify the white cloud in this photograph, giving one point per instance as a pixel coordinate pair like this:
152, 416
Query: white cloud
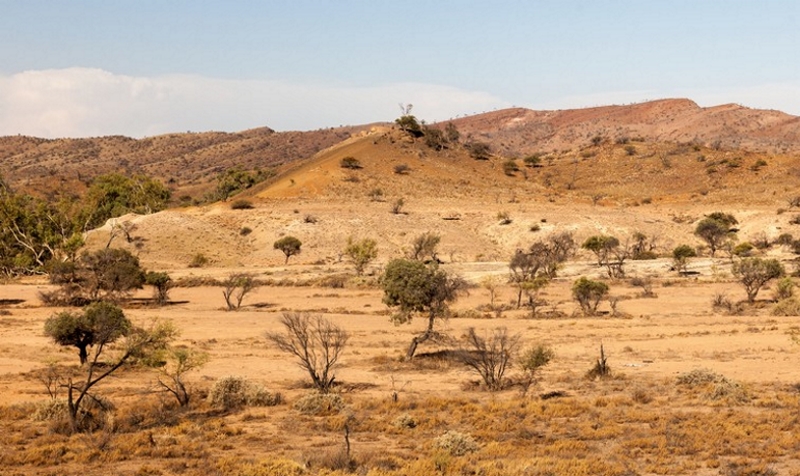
81, 102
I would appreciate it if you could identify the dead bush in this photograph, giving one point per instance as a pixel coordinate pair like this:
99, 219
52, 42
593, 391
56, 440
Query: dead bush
233, 392
319, 404
457, 443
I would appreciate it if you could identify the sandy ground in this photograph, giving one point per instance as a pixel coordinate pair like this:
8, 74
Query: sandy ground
675, 332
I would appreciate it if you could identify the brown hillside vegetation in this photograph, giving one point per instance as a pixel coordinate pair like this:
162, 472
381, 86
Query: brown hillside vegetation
188, 162
730, 126
702, 382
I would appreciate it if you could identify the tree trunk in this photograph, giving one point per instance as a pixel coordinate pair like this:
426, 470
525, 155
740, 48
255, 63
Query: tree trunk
82, 354
417, 340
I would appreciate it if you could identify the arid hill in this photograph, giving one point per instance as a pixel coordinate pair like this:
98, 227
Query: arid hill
189, 162
523, 131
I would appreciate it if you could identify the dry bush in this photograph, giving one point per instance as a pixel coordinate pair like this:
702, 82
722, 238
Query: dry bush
234, 392
319, 404
457, 443
51, 410
333, 459
717, 386
723, 303
787, 307
489, 356
404, 421
315, 342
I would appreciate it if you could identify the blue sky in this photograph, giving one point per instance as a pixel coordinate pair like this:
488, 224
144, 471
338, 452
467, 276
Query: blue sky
145, 67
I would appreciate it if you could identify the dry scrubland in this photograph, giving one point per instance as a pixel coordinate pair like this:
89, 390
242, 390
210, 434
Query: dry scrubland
693, 389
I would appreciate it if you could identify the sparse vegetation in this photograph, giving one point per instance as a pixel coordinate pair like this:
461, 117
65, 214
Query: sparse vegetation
490, 356
754, 273
715, 229
316, 344
289, 246
350, 162
589, 293
235, 287
361, 253
411, 287
680, 257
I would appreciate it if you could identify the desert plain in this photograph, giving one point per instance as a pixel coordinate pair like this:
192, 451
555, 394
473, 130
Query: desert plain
693, 388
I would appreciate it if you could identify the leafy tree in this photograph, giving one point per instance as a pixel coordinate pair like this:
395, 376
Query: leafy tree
139, 343
412, 287
111, 273
33, 232
361, 253
589, 293
162, 283
100, 324
114, 195
601, 246
235, 180
541, 260
533, 359
523, 267
316, 342
609, 253
754, 273
288, 245
715, 229
408, 123
681, 255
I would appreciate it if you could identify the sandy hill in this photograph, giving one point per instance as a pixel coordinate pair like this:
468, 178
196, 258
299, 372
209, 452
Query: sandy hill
657, 188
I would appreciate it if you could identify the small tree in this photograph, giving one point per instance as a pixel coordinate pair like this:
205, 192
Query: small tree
412, 287
533, 359
111, 273
180, 361
680, 257
139, 343
236, 287
289, 246
98, 324
602, 246
316, 342
715, 229
490, 356
424, 247
361, 253
754, 273
533, 290
589, 293
162, 283
408, 123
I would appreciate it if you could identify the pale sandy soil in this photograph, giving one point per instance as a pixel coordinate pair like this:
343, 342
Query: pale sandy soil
657, 337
